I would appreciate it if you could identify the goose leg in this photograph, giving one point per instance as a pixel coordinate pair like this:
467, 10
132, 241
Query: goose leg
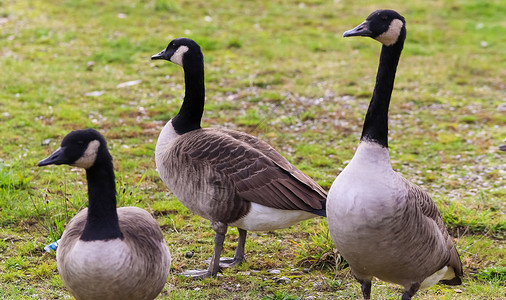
411, 292
227, 262
214, 265
366, 288
239, 251
219, 238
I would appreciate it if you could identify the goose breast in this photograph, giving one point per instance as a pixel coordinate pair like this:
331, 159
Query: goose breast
135, 267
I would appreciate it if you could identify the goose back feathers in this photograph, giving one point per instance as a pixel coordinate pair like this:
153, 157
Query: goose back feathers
382, 224
104, 252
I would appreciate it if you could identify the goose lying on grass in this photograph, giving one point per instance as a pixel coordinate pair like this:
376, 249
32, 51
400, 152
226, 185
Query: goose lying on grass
105, 252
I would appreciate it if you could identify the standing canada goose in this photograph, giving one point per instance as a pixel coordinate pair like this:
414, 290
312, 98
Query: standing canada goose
104, 252
382, 224
228, 177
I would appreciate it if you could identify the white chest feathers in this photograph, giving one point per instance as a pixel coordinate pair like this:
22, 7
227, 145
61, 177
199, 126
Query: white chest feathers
110, 270
366, 182
167, 136
166, 139
94, 260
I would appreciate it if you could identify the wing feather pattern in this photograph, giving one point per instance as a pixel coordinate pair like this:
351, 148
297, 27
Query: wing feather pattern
257, 171
429, 209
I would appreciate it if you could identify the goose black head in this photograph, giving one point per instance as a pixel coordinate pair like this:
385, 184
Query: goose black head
80, 148
385, 26
177, 50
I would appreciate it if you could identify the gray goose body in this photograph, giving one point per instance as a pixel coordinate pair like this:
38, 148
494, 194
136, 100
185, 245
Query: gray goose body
229, 171
133, 268
228, 177
382, 224
104, 252
388, 227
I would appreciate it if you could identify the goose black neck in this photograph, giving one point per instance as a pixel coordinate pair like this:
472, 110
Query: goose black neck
376, 120
102, 221
192, 109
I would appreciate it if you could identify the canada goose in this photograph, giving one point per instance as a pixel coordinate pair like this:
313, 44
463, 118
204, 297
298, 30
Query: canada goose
104, 252
228, 177
382, 224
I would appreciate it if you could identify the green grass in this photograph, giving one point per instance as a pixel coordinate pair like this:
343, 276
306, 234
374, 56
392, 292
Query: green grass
276, 69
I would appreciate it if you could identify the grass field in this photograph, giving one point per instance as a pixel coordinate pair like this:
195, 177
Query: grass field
279, 70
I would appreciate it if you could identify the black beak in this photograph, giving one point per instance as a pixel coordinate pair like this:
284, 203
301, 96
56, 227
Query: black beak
160, 55
57, 158
360, 30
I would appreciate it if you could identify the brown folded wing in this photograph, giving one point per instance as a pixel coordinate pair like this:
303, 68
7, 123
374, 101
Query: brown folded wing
429, 209
258, 172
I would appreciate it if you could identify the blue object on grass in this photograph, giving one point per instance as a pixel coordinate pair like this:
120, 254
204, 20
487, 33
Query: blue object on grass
52, 246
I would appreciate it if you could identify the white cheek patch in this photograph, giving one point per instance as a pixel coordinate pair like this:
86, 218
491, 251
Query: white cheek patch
177, 57
391, 36
89, 156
